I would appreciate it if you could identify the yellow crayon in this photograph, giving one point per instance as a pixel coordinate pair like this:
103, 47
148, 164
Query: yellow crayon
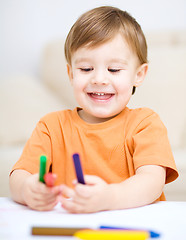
111, 234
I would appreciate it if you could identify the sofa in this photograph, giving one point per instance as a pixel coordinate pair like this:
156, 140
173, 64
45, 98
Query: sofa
24, 99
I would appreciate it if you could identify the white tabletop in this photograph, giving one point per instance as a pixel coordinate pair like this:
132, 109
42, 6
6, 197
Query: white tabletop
166, 218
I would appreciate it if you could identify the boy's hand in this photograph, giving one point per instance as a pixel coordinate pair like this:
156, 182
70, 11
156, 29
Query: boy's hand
38, 196
91, 197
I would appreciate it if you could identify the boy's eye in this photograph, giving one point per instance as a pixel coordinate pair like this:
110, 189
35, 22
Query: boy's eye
86, 69
113, 70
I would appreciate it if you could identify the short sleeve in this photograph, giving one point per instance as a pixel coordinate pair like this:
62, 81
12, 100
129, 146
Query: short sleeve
38, 144
152, 147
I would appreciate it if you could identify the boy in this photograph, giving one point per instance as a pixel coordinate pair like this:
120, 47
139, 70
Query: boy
125, 153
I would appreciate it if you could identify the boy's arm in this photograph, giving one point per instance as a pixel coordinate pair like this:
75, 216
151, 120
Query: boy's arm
16, 182
141, 189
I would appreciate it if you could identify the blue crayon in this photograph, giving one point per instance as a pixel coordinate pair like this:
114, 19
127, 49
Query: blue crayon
78, 168
151, 233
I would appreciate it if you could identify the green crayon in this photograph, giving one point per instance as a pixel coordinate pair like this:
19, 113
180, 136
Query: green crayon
42, 170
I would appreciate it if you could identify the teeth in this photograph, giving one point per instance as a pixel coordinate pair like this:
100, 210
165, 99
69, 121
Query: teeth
100, 94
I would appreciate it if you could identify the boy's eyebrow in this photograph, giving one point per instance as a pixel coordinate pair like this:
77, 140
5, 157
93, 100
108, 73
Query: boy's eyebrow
119, 60
79, 60
115, 60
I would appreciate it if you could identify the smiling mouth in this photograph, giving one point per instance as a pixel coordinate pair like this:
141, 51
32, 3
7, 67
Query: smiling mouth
100, 95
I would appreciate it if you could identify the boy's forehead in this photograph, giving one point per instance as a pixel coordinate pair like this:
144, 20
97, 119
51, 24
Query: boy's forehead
118, 48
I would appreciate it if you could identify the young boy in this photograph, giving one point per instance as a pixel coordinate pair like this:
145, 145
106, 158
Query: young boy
125, 153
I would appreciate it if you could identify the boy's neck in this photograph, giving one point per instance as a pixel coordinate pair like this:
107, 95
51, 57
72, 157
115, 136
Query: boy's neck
92, 119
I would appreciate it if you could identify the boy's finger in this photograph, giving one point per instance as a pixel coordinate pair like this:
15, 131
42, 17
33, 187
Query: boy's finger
74, 182
57, 189
84, 191
68, 192
47, 198
41, 188
71, 206
92, 180
43, 206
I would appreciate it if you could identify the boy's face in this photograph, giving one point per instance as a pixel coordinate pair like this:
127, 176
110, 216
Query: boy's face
103, 77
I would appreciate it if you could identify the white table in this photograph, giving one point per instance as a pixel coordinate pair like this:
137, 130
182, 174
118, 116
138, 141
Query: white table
166, 218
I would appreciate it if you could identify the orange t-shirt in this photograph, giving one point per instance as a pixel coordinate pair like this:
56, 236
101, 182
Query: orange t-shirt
112, 150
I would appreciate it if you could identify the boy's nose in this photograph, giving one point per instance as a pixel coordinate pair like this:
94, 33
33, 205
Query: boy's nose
99, 78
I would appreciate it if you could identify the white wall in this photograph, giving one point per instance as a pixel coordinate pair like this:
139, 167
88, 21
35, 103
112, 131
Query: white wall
27, 25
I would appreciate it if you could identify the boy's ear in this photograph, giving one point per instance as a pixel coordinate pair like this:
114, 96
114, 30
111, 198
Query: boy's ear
70, 73
141, 74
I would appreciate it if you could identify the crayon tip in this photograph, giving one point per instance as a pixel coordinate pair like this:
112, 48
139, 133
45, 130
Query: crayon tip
154, 234
43, 158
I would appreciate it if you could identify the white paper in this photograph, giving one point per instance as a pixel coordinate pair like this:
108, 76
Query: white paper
166, 218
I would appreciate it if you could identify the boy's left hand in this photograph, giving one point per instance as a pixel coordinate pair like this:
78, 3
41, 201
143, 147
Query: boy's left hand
91, 197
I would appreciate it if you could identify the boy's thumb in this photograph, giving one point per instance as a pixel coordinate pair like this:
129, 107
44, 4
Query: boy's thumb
92, 180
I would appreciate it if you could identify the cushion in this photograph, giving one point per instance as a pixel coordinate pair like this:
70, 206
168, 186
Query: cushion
24, 100
54, 72
164, 88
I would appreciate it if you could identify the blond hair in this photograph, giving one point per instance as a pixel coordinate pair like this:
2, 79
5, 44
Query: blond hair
100, 25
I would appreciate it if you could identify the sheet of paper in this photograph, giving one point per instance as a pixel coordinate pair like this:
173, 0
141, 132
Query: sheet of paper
166, 218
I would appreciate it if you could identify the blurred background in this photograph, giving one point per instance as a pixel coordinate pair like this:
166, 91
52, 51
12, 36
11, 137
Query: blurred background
33, 79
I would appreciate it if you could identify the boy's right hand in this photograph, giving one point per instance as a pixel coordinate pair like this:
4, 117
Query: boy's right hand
38, 196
